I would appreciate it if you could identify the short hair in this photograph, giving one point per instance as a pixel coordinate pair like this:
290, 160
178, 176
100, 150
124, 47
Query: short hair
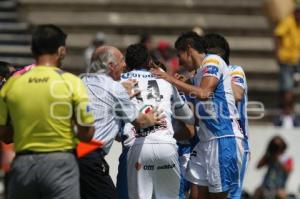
137, 56
100, 61
46, 39
192, 39
217, 44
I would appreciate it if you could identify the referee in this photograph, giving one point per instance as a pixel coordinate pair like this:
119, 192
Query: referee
41, 105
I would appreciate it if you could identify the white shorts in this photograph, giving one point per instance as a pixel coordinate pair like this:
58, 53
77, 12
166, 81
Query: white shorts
153, 170
218, 164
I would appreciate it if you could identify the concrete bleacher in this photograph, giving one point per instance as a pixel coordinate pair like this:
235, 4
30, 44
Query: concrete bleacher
14, 40
241, 21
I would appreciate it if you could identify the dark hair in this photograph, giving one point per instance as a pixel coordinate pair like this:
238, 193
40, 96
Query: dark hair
144, 38
46, 39
137, 56
277, 144
4, 69
217, 44
193, 39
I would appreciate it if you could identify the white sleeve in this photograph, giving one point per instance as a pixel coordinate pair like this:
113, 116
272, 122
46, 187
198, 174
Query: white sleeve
212, 67
238, 77
180, 108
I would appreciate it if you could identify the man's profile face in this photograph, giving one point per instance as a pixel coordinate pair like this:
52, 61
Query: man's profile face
120, 65
185, 60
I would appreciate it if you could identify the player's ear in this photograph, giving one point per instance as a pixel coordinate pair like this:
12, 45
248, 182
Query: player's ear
62, 51
189, 50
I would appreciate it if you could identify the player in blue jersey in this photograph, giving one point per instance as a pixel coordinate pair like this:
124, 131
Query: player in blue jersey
214, 165
217, 44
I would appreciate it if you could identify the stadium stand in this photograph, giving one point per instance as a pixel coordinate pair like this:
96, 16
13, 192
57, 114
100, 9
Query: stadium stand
241, 21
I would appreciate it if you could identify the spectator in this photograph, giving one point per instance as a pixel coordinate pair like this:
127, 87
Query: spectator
40, 105
147, 41
165, 55
6, 70
98, 41
279, 166
287, 42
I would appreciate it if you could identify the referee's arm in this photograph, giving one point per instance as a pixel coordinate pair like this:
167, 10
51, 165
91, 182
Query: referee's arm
84, 118
6, 131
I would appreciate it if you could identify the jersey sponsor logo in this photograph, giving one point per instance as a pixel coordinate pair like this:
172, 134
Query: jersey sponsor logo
211, 61
211, 69
148, 167
88, 108
38, 80
238, 80
146, 109
136, 75
168, 166
143, 132
194, 154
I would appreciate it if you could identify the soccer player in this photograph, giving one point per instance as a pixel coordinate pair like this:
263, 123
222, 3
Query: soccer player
217, 44
42, 106
152, 160
213, 168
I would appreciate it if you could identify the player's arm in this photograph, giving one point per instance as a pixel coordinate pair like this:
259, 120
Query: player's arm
203, 92
6, 130
207, 85
238, 92
84, 118
238, 84
184, 131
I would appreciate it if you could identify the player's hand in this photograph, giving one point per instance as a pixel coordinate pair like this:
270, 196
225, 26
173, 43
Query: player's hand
180, 77
161, 74
153, 117
129, 86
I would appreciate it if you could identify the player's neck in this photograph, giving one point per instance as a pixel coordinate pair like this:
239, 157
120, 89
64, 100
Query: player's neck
198, 59
47, 60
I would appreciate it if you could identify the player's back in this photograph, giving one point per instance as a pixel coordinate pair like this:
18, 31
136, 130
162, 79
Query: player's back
155, 93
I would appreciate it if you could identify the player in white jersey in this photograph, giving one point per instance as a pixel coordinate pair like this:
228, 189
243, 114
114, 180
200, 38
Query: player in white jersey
214, 165
217, 44
152, 160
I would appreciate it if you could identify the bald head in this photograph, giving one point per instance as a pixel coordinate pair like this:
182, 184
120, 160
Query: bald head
107, 59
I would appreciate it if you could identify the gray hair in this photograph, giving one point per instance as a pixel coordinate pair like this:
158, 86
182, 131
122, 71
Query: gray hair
100, 62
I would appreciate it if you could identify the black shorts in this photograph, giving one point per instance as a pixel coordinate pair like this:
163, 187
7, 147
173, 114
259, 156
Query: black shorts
95, 181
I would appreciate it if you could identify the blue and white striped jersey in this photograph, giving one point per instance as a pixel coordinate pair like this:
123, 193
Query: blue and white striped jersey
218, 116
238, 77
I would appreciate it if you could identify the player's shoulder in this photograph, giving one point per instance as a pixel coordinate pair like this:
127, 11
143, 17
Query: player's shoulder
236, 70
67, 75
212, 59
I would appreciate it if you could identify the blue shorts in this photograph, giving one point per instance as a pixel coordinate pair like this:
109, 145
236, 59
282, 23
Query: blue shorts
218, 164
122, 188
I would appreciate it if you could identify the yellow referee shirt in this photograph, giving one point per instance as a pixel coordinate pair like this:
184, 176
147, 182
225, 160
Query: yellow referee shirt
41, 105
